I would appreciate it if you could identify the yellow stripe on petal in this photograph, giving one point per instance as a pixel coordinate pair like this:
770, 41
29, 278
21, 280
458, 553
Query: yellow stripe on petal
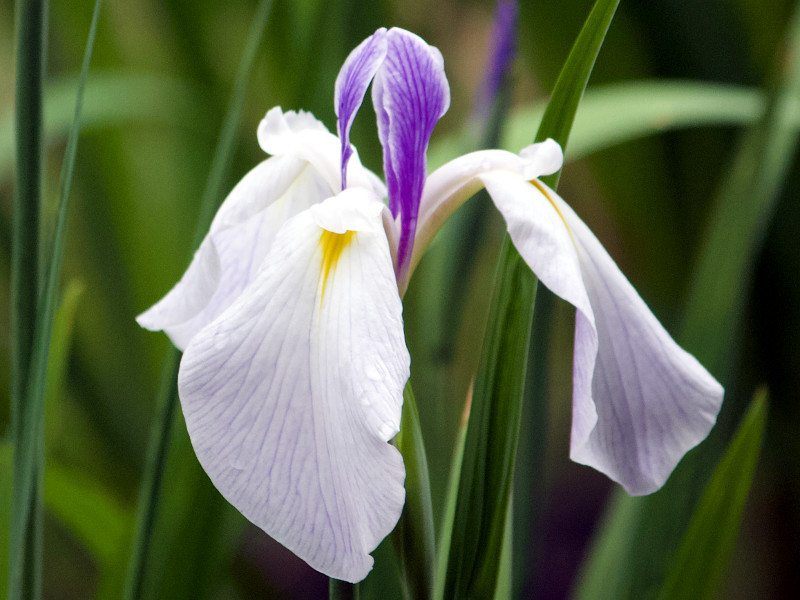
333, 244
539, 186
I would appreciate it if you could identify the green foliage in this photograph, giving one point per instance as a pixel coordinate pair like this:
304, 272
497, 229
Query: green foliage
703, 554
414, 536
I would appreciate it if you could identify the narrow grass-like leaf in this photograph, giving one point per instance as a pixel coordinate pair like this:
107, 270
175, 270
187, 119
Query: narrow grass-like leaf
6, 490
451, 499
25, 576
166, 401
710, 328
708, 544
25, 562
559, 115
493, 429
505, 571
414, 537
59, 352
491, 439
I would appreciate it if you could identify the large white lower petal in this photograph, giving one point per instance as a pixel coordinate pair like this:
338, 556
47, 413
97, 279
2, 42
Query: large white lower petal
640, 402
232, 251
293, 393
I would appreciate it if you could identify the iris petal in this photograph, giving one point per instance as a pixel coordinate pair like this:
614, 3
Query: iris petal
351, 84
303, 172
292, 394
410, 94
640, 402
232, 251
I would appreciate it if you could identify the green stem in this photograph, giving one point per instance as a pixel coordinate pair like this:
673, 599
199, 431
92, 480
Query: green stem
25, 564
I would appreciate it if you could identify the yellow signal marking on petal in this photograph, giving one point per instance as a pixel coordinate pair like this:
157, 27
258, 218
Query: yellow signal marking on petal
333, 244
540, 186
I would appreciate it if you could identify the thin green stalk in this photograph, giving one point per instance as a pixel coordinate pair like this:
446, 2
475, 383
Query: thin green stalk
167, 399
414, 538
25, 560
150, 488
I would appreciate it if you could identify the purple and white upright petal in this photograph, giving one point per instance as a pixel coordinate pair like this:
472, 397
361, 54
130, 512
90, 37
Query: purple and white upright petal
640, 402
351, 84
410, 94
292, 395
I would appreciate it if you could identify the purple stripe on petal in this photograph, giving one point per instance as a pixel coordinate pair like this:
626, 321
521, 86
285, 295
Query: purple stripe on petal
410, 94
351, 85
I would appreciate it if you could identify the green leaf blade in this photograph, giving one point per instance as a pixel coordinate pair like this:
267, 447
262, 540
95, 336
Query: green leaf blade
710, 538
414, 537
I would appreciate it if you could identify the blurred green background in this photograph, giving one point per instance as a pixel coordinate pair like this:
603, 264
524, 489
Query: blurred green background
160, 80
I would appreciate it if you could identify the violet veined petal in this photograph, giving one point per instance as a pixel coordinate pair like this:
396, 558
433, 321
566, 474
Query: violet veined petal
351, 85
232, 251
654, 400
410, 94
640, 402
293, 393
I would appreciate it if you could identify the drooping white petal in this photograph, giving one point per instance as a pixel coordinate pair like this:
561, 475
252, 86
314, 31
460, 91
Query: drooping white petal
292, 394
238, 240
654, 400
640, 402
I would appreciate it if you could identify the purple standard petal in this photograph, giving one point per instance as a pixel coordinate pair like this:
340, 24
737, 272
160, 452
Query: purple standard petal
351, 85
410, 94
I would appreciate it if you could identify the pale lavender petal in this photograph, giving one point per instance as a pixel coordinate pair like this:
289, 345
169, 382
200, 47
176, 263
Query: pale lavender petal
654, 400
292, 395
640, 402
410, 94
351, 85
232, 251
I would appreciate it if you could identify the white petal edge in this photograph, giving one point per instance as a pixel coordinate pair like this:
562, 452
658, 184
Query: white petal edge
449, 186
292, 395
301, 135
238, 239
640, 401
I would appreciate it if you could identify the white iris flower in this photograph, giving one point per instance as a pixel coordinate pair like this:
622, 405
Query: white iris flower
290, 317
